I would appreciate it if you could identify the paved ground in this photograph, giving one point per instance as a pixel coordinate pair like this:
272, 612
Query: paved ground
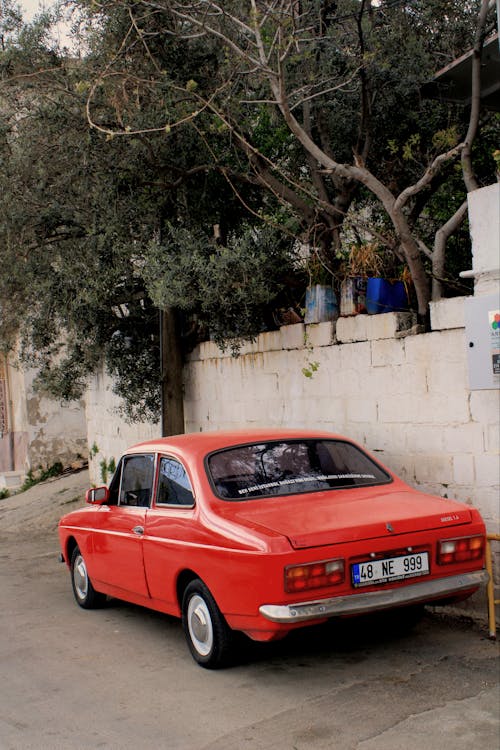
122, 677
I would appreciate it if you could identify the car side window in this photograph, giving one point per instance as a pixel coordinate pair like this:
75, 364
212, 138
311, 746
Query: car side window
137, 481
174, 487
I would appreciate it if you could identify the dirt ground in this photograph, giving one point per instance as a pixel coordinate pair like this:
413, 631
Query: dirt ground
40, 508
121, 678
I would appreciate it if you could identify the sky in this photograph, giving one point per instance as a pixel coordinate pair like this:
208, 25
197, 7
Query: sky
31, 7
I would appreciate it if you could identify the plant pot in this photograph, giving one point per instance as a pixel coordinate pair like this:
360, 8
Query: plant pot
383, 295
321, 304
353, 296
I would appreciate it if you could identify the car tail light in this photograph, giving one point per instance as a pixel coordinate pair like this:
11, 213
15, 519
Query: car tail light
460, 550
314, 575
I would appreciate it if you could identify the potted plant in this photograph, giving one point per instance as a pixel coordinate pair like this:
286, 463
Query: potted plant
370, 284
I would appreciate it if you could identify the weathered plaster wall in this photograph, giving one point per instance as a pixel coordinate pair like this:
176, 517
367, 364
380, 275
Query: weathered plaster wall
41, 431
57, 431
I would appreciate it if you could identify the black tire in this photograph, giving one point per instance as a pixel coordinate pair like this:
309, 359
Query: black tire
208, 636
85, 594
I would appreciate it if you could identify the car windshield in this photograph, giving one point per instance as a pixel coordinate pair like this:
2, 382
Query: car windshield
290, 467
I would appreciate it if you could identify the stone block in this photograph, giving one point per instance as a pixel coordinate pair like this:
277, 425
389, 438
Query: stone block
388, 325
447, 313
351, 329
492, 438
484, 221
292, 337
422, 439
445, 378
463, 438
320, 334
488, 471
269, 341
11, 480
357, 357
387, 352
362, 410
486, 500
433, 469
485, 406
463, 469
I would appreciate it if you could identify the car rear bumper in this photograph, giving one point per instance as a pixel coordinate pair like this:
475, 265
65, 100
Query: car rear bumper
372, 601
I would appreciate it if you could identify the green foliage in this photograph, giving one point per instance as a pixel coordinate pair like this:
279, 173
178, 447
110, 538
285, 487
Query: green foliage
4, 493
311, 368
108, 468
41, 475
229, 287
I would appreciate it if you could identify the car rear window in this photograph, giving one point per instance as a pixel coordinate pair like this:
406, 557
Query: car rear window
290, 467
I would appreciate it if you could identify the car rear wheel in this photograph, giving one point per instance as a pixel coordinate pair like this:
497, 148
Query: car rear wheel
209, 638
85, 594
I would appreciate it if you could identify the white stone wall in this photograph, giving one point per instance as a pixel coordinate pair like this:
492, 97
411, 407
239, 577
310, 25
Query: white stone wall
402, 394
108, 435
404, 397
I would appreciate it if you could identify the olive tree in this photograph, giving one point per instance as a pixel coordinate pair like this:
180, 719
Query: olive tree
323, 100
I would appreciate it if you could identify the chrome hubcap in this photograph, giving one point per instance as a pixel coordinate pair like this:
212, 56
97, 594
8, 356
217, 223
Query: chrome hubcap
200, 625
80, 577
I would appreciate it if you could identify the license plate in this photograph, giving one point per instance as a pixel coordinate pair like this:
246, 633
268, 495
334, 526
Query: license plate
390, 569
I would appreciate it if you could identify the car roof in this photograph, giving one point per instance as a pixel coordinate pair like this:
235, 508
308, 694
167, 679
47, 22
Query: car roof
206, 442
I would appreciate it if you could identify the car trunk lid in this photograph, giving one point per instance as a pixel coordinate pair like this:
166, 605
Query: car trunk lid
323, 518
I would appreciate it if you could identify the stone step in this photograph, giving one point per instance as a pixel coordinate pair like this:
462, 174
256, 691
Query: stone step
11, 480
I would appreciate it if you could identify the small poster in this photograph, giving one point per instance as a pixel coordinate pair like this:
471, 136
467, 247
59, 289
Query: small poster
494, 327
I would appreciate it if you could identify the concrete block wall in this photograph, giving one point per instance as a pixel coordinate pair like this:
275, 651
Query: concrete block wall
404, 396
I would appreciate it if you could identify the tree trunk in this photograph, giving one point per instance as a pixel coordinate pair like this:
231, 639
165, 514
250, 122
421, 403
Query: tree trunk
439, 252
172, 396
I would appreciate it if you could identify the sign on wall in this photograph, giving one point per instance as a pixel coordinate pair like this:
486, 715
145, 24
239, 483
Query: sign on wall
482, 328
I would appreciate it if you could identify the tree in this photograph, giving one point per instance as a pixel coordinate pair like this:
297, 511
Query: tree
221, 137
80, 217
326, 78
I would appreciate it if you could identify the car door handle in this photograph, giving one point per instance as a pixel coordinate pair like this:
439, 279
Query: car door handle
139, 530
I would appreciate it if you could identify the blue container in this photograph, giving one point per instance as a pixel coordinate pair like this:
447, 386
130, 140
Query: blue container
384, 296
321, 304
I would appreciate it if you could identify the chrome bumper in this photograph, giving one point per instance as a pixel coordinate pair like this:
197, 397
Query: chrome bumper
371, 601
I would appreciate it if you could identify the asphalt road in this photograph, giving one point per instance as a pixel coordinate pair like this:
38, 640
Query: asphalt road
122, 677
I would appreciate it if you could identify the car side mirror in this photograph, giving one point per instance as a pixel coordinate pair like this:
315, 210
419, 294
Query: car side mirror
97, 495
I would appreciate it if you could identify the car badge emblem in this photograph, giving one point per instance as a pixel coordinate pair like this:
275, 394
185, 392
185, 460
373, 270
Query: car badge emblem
389, 527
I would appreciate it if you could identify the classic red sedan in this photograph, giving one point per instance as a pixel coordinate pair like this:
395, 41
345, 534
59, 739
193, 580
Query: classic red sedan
265, 531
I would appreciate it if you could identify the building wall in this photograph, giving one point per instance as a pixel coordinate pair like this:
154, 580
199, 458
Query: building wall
37, 431
108, 434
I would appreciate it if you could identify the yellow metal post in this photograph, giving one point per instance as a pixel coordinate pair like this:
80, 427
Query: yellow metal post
491, 586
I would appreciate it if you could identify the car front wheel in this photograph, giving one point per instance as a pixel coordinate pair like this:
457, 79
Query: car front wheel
85, 594
209, 638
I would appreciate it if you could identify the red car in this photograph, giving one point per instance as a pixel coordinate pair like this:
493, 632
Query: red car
265, 531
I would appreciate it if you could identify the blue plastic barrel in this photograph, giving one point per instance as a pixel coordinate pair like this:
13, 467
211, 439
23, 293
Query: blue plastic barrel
384, 296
